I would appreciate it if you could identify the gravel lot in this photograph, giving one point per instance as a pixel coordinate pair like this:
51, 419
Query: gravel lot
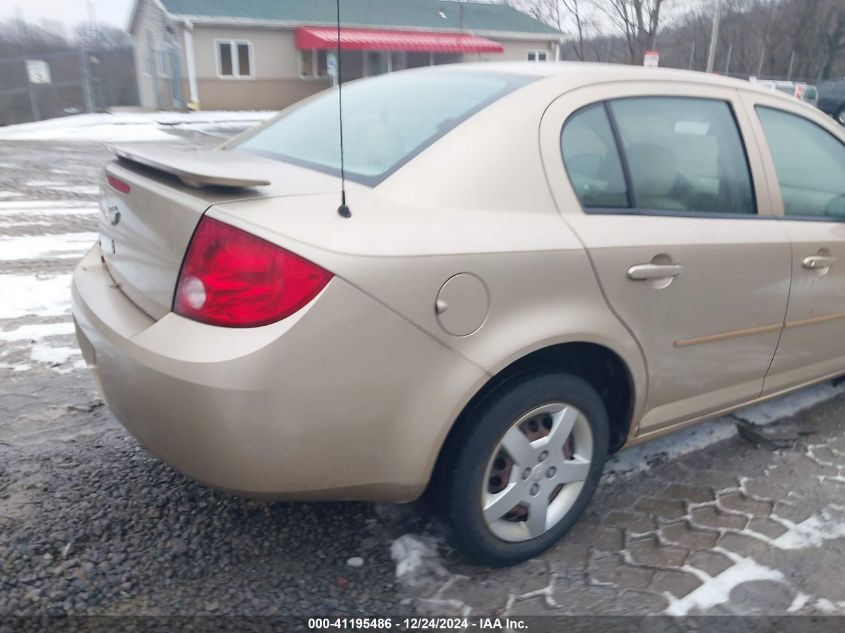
90, 523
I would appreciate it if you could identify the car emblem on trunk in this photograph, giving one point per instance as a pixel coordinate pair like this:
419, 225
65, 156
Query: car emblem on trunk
114, 214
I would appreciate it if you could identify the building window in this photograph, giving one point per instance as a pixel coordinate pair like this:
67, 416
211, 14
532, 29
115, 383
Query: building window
313, 63
234, 59
537, 56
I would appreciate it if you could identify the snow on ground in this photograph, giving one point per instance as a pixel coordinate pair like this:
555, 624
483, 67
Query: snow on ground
83, 190
124, 127
61, 246
828, 525
43, 183
17, 224
43, 353
34, 295
24, 346
417, 560
716, 590
63, 187
37, 331
47, 207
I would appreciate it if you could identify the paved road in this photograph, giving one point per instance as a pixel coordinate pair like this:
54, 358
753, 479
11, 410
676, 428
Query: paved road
91, 523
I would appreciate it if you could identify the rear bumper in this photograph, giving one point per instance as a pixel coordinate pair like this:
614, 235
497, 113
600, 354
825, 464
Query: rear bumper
344, 400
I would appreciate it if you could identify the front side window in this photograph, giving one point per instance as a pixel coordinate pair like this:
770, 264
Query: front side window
591, 159
234, 59
810, 164
684, 155
387, 120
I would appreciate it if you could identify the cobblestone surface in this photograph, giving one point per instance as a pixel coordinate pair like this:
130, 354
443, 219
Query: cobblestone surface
731, 529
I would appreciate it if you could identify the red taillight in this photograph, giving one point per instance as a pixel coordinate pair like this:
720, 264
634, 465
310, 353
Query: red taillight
234, 279
117, 184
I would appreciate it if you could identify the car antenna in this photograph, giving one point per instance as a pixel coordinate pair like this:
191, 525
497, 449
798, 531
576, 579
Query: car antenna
342, 210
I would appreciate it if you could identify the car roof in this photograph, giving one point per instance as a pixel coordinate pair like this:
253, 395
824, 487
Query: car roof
577, 74
594, 72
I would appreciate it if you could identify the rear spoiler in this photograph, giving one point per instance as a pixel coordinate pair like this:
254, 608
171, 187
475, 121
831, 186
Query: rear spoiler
197, 168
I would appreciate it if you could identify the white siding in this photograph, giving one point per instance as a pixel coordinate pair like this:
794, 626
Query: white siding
515, 51
275, 51
150, 35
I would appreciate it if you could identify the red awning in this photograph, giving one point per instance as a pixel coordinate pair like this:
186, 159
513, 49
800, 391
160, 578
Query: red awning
308, 37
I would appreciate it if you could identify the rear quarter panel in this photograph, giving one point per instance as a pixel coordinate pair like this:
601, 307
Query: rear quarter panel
489, 213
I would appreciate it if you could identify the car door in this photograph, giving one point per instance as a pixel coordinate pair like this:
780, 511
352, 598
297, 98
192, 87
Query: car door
658, 186
804, 152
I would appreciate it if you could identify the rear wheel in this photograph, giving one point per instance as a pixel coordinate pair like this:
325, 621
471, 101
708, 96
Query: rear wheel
526, 469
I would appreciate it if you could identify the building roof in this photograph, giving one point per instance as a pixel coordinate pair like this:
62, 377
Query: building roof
419, 14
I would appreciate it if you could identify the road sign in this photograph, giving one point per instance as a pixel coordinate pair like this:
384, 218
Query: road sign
38, 71
651, 59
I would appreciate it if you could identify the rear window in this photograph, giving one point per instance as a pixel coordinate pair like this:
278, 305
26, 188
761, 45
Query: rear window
387, 120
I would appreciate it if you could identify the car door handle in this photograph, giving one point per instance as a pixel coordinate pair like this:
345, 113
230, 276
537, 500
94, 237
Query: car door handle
814, 262
642, 272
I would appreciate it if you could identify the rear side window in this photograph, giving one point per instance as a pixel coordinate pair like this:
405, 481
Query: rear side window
387, 120
684, 155
591, 160
810, 164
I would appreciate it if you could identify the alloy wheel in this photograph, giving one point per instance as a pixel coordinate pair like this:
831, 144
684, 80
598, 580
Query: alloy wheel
536, 472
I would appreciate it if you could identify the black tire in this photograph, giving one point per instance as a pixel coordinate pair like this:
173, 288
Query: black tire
460, 481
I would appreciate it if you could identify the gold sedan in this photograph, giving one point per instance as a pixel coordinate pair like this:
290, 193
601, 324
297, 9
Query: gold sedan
537, 265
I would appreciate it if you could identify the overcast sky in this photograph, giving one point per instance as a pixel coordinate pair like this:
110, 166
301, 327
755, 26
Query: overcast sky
68, 12
116, 12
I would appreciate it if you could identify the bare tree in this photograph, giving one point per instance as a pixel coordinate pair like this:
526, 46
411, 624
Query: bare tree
576, 12
834, 38
638, 20
563, 14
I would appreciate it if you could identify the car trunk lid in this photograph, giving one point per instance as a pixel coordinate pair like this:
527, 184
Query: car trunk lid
149, 213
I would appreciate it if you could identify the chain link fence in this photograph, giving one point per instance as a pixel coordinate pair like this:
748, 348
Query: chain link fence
47, 85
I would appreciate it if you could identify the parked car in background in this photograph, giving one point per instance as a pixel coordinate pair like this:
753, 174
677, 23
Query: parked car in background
799, 90
539, 265
832, 98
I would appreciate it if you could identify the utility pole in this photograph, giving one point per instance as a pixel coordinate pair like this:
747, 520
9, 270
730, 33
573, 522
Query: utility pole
728, 61
714, 37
